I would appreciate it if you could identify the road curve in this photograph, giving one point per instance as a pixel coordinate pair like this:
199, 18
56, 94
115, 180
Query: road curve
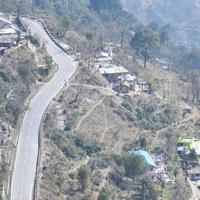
27, 151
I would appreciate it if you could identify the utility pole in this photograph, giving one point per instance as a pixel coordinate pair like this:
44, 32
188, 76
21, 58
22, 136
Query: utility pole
101, 42
122, 39
168, 91
163, 87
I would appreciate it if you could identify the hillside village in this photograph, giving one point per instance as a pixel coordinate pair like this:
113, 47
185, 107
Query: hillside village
106, 83
117, 129
115, 80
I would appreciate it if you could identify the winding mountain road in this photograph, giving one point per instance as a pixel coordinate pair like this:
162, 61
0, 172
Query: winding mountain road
27, 151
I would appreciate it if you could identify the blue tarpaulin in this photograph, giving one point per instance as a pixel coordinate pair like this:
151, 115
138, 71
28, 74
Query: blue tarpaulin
147, 158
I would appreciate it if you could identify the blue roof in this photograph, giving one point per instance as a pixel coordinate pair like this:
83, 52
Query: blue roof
147, 158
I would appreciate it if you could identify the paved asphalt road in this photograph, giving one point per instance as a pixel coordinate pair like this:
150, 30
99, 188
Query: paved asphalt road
26, 158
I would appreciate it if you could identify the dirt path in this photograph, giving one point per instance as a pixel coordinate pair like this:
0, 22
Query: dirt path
103, 183
106, 125
105, 89
84, 162
195, 115
88, 113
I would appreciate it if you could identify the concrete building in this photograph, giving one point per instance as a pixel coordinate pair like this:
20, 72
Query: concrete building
103, 57
9, 34
112, 72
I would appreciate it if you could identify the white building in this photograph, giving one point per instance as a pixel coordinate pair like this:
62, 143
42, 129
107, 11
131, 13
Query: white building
103, 56
8, 33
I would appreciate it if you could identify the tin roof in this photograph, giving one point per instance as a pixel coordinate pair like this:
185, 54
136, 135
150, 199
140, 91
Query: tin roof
112, 69
147, 158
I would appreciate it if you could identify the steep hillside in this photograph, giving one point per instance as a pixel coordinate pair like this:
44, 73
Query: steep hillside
182, 14
96, 132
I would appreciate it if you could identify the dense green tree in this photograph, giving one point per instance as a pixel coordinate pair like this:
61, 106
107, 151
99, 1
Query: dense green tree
144, 190
49, 62
165, 33
84, 173
134, 166
144, 42
104, 194
65, 23
143, 142
193, 156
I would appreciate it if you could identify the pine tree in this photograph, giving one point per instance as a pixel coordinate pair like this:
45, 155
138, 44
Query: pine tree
144, 190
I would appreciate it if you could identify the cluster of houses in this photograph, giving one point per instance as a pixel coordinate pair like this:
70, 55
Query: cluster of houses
10, 35
119, 78
189, 152
156, 164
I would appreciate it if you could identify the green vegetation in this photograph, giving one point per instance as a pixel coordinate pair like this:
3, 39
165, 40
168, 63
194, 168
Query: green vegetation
149, 114
127, 105
145, 41
134, 166
17, 76
87, 26
165, 34
65, 23
84, 174
65, 144
145, 190
154, 116
34, 40
104, 194
90, 147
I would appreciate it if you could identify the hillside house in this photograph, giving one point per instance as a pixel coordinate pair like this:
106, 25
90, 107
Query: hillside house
103, 56
112, 72
185, 145
123, 87
194, 174
159, 172
156, 163
8, 33
142, 86
164, 63
126, 84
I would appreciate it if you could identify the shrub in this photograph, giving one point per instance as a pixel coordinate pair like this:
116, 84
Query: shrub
143, 142
104, 194
84, 174
127, 105
92, 149
134, 166
130, 116
68, 126
79, 141
34, 40
70, 151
